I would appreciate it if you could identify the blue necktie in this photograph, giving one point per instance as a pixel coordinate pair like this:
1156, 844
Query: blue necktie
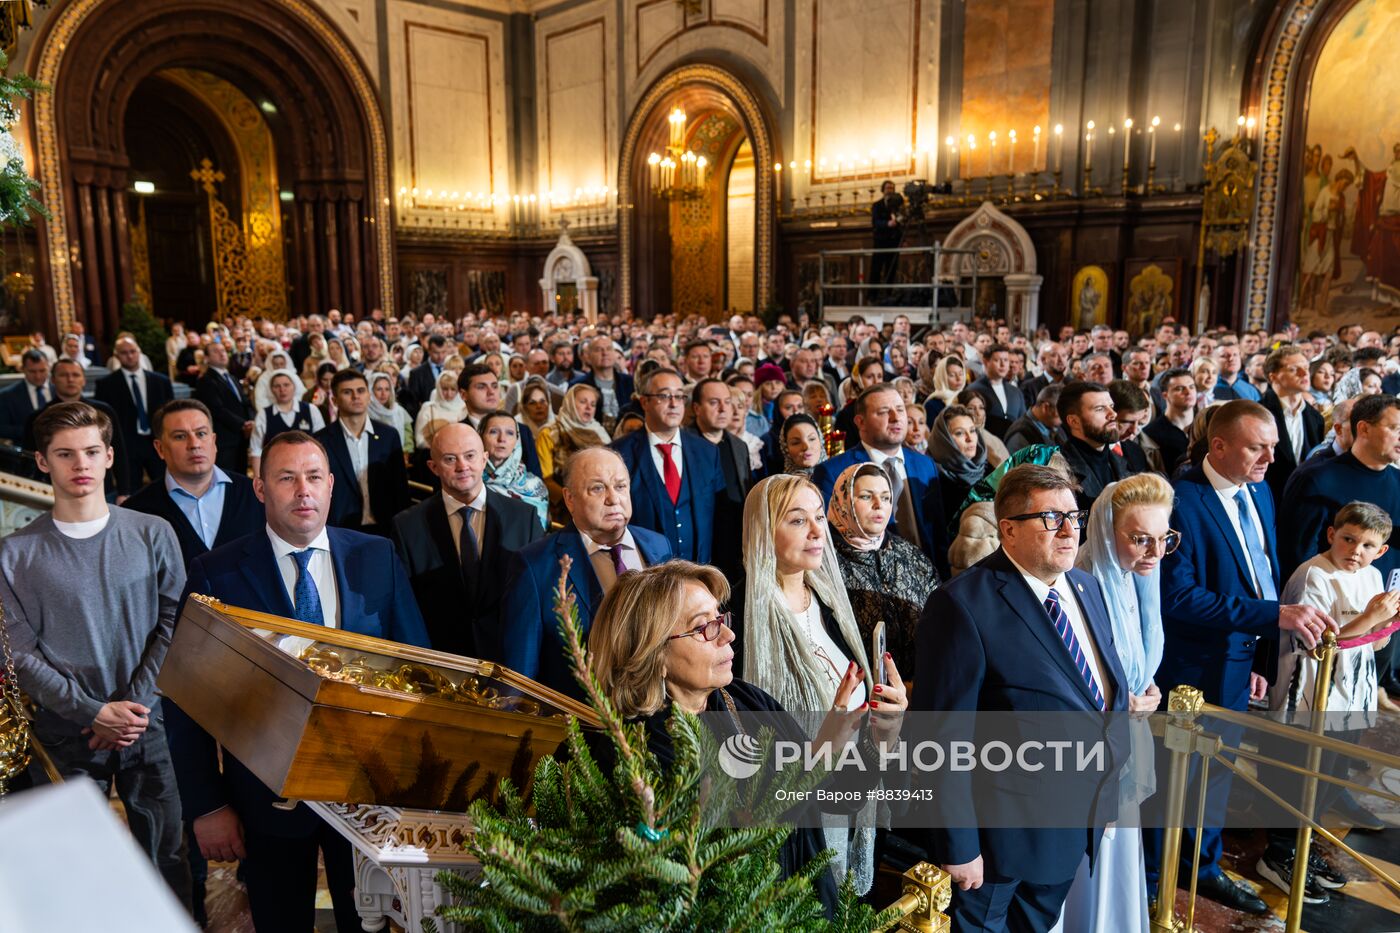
1254, 548
233, 384
42, 395
308, 600
1076, 653
143, 425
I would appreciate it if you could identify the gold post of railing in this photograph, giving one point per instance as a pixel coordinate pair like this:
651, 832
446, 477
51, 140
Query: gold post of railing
927, 892
1184, 705
1326, 656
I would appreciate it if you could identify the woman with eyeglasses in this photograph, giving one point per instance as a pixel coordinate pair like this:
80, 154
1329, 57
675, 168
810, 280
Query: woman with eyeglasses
1128, 537
799, 636
659, 640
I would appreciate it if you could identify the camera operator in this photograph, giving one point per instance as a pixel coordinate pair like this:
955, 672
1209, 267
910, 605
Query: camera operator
888, 233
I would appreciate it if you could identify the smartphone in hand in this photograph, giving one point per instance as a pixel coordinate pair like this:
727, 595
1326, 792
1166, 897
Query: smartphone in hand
877, 652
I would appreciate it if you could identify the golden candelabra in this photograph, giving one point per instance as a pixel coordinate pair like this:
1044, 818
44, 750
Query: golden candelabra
14, 725
833, 440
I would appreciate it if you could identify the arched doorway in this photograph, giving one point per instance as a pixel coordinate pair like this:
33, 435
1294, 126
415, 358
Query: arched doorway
676, 255
322, 112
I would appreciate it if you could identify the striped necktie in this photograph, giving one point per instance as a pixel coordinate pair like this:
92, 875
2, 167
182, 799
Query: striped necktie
1076, 653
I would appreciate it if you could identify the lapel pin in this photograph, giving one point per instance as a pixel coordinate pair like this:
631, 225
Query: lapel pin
1081, 587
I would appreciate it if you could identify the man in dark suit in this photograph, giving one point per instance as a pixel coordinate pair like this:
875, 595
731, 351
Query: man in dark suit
1004, 401
207, 507
886, 233
602, 545
456, 544
233, 418
1054, 369
1168, 429
26, 398
1027, 594
1300, 426
135, 394
676, 476
297, 568
1039, 425
422, 379
367, 460
301, 345
881, 423
713, 411
1220, 597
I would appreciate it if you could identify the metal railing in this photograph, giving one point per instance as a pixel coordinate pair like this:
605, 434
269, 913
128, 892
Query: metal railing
940, 298
1184, 737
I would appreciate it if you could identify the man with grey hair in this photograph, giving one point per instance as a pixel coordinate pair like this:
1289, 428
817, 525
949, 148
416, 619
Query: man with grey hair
601, 543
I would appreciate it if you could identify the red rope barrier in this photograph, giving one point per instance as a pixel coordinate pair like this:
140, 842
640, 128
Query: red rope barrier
1370, 637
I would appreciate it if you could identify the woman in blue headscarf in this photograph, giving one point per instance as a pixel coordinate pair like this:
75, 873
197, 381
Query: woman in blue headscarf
1127, 538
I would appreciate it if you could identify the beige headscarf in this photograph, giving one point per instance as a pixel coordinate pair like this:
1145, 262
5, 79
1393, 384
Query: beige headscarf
841, 513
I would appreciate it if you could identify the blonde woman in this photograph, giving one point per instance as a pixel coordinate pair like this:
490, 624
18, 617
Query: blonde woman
801, 639
1127, 538
660, 640
445, 406
949, 378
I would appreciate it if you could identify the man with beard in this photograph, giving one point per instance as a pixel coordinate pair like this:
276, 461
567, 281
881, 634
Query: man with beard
1086, 409
888, 234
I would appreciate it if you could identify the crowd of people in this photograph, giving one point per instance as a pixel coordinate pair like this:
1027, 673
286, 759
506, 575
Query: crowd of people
1071, 520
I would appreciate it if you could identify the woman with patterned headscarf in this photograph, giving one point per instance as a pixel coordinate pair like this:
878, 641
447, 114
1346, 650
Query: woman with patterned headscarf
887, 578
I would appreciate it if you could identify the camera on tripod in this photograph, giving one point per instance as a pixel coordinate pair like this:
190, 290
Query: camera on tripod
916, 195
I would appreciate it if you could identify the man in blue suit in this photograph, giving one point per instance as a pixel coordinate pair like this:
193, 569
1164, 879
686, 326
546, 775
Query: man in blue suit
1220, 597
918, 508
1060, 657
602, 545
297, 568
1004, 400
676, 477
26, 398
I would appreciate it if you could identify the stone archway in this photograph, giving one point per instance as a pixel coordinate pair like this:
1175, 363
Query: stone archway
650, 112
1001, 248
332, 133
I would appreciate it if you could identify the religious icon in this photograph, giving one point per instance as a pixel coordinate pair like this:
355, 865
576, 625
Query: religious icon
1151, 297
1089, 297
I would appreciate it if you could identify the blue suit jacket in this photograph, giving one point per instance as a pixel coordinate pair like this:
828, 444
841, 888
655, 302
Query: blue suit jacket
702, 483
529, 640
923, 487
15, 409
375, 599
1210, 616
986, 644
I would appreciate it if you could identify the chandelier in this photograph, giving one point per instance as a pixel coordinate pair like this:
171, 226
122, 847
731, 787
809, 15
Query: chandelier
679, 175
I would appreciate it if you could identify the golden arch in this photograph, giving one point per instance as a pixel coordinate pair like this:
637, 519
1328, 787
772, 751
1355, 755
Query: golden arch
757, 130
56, 42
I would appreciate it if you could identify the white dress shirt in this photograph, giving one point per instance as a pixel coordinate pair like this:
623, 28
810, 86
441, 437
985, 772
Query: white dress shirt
455, 514
999, 388
1293, 422
359, 461
1069, 601
676, 458
1227, 491
142, 399
321, 568
602, 561
34, 394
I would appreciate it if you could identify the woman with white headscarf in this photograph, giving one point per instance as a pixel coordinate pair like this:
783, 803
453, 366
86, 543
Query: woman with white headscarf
445, 406
1128, 536
799, 635
278, 361
384, 407
72, 347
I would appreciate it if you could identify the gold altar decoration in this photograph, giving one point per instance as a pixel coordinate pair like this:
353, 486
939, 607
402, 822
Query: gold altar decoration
261, 208
1227, 204
327, 715
141, 257
680, 174
14, 16
238, 285
14, 724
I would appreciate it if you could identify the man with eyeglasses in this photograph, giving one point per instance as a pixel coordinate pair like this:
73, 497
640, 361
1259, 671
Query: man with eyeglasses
677, 475
601, 542
1220, 597
1056, 655
1086, 410
1300, 426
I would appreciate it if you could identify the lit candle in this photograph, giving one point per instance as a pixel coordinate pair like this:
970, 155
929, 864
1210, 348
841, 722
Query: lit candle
1239, 126
1089, 147
1127, 145
1011, 154
1059, 146
1152, 141
991, 152
952, 155
971, 148
1035, 149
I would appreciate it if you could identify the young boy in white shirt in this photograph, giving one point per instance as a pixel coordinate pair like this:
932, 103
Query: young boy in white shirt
1341, 582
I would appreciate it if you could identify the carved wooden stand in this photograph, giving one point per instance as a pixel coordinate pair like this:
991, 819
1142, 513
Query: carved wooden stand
398, 854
